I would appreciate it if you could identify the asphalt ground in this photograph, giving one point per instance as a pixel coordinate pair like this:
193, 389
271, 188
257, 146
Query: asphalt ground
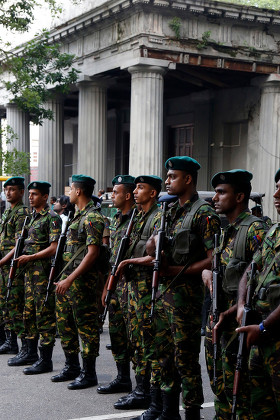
24, 397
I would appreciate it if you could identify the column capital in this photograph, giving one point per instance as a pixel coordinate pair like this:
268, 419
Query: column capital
268, 84
87, 81
143, 68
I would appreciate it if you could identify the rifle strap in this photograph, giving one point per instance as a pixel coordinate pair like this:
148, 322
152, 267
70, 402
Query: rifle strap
188, 219
77, 253
10, 215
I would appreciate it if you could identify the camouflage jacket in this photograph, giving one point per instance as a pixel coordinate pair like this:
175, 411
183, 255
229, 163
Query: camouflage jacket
267, 295
90, 234
11, 227
43, 229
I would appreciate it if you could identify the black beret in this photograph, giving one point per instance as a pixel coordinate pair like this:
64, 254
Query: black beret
277, 176
233, 177
182, 163
15, 180
153, 180
123, 179
84, 179
42, 186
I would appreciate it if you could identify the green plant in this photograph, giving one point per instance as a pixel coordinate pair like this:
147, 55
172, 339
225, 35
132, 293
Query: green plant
205, 40
175, 25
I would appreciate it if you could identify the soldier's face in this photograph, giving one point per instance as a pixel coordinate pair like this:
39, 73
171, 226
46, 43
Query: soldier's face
13, 194
37, 199
276, 197
224, 199
177, 182
118, 196
73, 194
143, 193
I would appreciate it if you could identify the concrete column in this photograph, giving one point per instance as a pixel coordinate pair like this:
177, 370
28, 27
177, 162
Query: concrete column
92, 131
146, 120
51, 163
269, 142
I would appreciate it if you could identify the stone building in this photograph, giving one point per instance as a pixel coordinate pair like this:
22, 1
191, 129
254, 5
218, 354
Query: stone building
165, 77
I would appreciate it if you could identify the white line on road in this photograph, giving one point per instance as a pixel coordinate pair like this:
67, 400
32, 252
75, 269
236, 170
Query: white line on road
127, 414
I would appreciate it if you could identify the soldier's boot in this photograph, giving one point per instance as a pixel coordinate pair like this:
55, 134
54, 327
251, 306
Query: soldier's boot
44, 363
27, 355
192, 413
155, 408
2, 335
121, 383
170, 409
10, 346
87, 377
71, 369
138, 398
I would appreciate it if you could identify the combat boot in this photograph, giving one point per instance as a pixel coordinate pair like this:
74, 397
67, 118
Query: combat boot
27, 355
192, 413
87, 377
10, 345
155, 408
121, 383
44, 364
138, 398
2, 335
70, 371
170, 409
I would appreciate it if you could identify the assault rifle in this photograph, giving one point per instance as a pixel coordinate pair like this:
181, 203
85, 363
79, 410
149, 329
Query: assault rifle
18, 251
120, 255
157, 261
57, 258
216, 284
242, 339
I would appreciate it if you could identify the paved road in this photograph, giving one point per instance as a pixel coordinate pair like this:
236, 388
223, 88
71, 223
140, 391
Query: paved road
25, 397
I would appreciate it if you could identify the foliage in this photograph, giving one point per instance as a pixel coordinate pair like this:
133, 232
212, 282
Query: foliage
12, 161
266, 4
205, 40
175, 25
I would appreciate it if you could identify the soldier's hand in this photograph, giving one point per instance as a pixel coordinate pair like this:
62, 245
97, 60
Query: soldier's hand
240, 311
62, 286
253, 334
23, 259
103, 297
207, 277
121, 267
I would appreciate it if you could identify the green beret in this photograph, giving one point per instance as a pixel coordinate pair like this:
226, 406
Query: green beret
277, 176
85, 179
233, 177
182, 163
42, 186
15, 180
123, 179
153, 180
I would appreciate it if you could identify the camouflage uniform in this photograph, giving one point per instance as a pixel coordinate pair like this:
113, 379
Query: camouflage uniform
118, 328
44, 228
264, 358
10, 231
76, 311
182, 303
228, 346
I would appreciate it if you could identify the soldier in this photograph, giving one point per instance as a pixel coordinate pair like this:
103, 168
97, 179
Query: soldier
192, 224
12, 312
139, 287
263, 336
122, 197
240, 239
76, 306
41, 243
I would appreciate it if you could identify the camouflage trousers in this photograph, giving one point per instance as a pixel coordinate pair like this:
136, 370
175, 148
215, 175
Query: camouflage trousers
182, 305
118, 327
264, 371
12, 311
225, 369
77, 316
39, 318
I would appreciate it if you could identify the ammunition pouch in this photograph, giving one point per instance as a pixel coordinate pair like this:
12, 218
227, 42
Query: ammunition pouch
185, 243
270, 294
232, 275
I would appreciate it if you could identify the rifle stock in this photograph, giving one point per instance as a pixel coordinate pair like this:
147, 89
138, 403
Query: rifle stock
216, 284
112, 283
242, 340
18, 251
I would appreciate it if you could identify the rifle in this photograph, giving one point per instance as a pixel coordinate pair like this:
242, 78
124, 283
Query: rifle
18, 251
216, 284
120, 254
57, 258
242, 339
157, 261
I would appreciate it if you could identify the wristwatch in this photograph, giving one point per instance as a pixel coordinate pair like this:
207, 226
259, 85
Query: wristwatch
262, 327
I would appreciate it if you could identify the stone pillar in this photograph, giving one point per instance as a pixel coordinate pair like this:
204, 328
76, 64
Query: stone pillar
146, 120
51, 163
92, 131
269, 142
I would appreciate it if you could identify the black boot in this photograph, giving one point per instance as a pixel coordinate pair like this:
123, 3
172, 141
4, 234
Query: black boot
192, 413
155, 408
122, 383
44, 364
10, 346
87, 377
70, 371
170, 409
2, 335
138, 398
27, 355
